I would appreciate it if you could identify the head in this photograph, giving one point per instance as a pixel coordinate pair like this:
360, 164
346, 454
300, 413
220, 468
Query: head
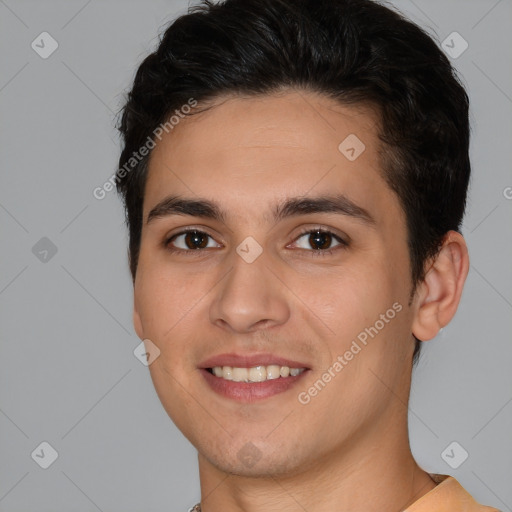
260, 100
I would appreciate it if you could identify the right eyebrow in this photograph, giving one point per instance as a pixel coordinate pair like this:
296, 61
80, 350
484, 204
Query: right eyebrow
175, 205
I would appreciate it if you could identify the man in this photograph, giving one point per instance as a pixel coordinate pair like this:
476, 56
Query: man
295, 175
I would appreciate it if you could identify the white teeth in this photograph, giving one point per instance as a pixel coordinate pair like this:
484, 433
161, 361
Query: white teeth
256, 373
240, 374
273, 371
227, 372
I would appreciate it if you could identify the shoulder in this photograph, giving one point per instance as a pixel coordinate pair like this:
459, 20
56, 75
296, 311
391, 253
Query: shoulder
448, 496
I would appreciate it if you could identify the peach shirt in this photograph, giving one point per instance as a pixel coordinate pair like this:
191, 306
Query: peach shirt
447, 496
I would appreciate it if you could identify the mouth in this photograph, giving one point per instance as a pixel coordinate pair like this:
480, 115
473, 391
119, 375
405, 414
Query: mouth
249, 378
255, 373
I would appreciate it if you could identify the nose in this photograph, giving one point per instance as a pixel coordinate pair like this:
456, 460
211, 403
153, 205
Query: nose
251, 297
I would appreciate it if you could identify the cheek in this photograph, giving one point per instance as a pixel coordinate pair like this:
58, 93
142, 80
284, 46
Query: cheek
166, 305
161, 299
173, 309
366, 303
347, 298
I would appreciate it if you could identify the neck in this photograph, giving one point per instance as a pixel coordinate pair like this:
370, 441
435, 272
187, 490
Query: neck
373, 471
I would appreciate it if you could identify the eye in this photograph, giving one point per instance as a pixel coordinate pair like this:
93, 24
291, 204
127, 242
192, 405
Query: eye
320, 240
317, 241
191, 239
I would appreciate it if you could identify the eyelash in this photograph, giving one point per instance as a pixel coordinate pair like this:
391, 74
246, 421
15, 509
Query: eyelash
343, 244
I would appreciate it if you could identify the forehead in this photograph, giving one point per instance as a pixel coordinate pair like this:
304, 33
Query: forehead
247, 152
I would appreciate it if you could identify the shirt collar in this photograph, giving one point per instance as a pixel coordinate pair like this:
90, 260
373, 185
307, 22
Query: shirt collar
447, 496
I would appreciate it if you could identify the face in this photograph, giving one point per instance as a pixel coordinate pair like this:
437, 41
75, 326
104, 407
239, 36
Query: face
269, 243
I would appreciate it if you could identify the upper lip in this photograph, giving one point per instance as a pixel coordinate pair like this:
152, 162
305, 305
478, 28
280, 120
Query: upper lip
249, 361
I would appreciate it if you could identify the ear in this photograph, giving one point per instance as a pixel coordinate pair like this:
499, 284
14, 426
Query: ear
438, 296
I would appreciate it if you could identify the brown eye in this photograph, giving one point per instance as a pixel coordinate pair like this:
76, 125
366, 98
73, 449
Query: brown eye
192, 240
196, 240
318, 240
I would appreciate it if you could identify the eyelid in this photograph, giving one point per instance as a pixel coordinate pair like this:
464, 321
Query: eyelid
343, 243
342, 238
186, 229
183, 231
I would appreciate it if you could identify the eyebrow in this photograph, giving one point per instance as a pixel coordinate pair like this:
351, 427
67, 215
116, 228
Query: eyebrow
291, 207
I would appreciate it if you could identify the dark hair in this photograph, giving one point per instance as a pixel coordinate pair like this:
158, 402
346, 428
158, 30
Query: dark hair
354, 51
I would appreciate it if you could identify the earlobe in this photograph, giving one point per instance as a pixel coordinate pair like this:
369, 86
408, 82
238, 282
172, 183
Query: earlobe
438, 296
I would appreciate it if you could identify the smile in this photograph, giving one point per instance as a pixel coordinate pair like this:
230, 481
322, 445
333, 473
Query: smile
256, 373
248, 378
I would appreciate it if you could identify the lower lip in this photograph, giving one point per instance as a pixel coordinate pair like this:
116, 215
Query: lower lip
250, 391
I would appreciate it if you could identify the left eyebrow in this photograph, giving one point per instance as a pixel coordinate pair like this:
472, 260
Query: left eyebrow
305, 205
291, 207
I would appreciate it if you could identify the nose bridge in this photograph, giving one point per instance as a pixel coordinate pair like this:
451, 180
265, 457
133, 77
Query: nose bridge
250, 295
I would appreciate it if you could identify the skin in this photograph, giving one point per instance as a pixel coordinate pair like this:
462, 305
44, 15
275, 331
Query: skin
348, 448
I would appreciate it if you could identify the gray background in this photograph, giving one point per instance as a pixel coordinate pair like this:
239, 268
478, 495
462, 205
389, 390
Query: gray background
68, 374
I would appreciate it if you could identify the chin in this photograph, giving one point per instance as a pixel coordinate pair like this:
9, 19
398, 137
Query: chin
251, 461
